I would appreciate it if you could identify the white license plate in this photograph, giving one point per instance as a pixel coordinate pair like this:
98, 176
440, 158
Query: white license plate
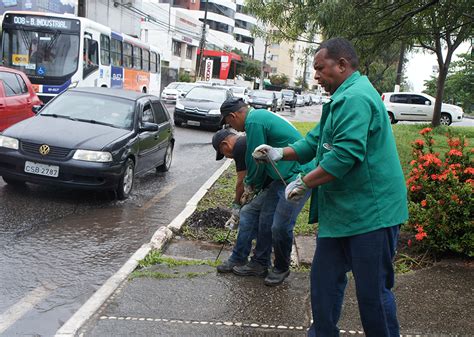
194, 123
42, 169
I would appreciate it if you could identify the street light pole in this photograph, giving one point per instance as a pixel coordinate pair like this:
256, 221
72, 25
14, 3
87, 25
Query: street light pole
202, 44
262, 71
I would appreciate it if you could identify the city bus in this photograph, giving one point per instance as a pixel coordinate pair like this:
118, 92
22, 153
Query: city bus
58, 52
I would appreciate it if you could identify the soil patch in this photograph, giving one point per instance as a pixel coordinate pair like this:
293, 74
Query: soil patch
209, 218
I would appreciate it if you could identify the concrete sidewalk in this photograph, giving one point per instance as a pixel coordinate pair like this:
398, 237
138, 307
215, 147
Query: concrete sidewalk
197, 301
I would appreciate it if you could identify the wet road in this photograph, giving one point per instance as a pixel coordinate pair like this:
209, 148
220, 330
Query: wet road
58, 246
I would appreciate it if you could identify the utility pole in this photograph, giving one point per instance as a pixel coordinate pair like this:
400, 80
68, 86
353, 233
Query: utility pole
262, 71
202, 45
401, 59
303, 81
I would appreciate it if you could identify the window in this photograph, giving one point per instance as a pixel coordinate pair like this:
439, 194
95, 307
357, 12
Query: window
274, 70
176, 48
147, 115
218, 9
23, 87
104, 50
90, 54
399, 99
160, 114
137, 58
153, 62
418, 99
127, 55
189, 52
116, 52
146, 60
10, 83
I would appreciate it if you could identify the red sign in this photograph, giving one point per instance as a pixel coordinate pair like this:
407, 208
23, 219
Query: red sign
208, 70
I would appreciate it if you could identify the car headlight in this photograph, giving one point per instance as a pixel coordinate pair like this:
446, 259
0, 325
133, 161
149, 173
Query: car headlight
9, 143
96, 156
214, 112
179, 105
73, 84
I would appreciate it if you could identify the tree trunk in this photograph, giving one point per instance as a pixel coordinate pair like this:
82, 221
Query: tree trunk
443, 73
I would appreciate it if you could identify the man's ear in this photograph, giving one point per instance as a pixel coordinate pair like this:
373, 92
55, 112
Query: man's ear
343, 64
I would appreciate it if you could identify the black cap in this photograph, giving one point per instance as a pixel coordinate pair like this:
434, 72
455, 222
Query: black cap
218, 138
229, 106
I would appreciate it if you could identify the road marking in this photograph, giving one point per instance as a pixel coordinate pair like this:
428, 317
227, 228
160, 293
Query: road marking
158, 197
16, 311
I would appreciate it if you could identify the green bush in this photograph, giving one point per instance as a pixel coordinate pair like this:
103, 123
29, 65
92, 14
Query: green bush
440, 190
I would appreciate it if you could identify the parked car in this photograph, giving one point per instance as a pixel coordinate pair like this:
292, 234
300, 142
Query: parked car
289, 96
299, 100
316, 99
18, 100
410, 106
92, 138
307, 99
174, 90
241, 92
280, 101
201, 106
263, 99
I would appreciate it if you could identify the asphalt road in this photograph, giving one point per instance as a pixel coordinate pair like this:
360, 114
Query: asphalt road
57, 247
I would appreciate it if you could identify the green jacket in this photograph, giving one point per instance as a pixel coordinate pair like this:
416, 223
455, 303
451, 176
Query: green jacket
265, 127
354, 142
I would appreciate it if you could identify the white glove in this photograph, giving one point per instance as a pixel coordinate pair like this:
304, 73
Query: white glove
248, 195
232, 223
264, 151
296, 190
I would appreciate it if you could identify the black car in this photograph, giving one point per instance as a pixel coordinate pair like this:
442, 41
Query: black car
201, 106
289, 96
93, 138
263, 99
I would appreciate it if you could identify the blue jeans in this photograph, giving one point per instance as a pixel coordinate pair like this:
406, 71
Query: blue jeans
369, 256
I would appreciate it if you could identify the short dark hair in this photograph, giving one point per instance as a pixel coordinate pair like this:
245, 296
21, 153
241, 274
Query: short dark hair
339, 47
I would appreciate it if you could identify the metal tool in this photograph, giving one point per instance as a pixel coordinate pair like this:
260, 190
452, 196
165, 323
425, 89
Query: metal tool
225, 240
272, 162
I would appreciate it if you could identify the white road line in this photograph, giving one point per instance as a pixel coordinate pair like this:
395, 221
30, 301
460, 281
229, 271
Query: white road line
16, 311
158, 197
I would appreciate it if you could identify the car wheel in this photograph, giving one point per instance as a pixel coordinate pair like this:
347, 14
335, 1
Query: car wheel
392, 118
13, 181
167, 160
177, 123
125, 184
445, 119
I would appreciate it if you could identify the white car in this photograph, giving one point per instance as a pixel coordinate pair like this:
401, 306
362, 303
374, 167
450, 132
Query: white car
299, 100
240, 92
411, 106
175, 90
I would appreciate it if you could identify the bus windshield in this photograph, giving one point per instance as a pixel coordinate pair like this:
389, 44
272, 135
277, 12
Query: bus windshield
41, 53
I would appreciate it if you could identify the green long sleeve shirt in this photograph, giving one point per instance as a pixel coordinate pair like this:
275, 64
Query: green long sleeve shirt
265, 127
354, 142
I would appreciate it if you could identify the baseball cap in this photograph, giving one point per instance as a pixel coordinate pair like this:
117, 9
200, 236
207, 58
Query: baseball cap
218, 137
230, 105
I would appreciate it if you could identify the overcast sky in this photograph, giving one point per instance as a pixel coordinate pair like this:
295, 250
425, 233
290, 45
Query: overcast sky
420, 66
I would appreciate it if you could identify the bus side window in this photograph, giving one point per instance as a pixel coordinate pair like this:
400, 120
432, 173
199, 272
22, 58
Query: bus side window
146, 60
104, 50
127, 55
116, 52
153, 62
90, 56
137, 58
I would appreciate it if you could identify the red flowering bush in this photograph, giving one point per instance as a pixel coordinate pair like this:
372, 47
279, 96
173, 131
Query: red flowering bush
440, 190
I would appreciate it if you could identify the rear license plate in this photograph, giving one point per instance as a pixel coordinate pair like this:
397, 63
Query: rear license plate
194, 123
42, 169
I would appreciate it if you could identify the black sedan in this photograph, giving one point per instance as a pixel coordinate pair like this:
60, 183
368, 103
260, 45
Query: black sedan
263, 99
201, 106
93, 138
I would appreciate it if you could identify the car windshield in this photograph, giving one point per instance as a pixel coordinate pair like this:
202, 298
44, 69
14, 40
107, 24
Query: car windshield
207, 94
263, 94
172, 86
287, 93
41, 53
238, 90
93, 108
185, 87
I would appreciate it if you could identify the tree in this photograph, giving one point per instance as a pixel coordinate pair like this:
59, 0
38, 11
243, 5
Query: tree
248, 67
459, 87
280, 79
377, 27
299, 83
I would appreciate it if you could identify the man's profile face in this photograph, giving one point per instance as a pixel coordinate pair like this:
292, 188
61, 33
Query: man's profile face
234, 121
327, 71
226, 148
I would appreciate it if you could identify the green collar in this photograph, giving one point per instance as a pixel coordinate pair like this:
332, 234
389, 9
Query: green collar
346, 84
248, 113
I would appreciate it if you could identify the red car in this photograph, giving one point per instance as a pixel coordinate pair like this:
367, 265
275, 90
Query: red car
18, 100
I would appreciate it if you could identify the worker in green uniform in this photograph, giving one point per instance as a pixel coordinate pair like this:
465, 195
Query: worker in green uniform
277, 215
358, 195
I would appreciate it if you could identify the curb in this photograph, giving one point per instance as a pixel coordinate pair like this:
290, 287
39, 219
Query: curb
158, 241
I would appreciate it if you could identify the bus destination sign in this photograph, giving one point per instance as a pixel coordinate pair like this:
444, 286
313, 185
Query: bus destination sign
43, 22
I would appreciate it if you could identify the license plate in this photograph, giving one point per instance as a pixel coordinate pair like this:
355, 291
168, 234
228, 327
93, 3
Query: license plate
42, 169
194, 123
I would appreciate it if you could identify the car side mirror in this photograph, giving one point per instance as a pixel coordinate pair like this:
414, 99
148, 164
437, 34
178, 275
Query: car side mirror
427, 103
146, 126
182, 94
37, 108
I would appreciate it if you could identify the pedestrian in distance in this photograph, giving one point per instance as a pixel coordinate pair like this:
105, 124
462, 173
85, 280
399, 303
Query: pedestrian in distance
276, 216
358, 195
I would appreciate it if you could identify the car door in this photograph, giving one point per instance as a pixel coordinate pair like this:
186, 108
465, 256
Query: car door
162, 119
148, 140
17, 101
421, 108
400, 107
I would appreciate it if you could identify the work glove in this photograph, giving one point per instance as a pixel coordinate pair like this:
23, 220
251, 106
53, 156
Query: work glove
248, 195
264, 151
233, 221
296, 190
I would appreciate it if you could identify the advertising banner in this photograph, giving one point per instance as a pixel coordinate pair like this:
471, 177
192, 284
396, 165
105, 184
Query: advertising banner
208, 70
225, 67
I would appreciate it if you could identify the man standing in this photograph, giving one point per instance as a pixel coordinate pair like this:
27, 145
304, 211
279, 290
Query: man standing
277, 216
359, 195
